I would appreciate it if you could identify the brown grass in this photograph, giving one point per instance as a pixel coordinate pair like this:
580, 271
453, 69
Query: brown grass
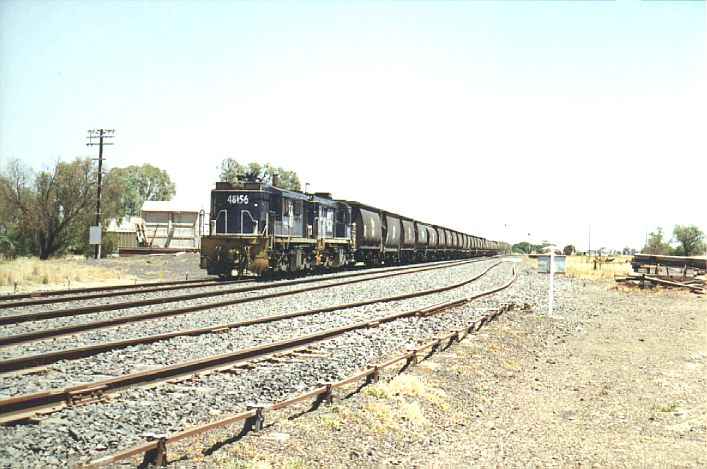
593, 268
31, 273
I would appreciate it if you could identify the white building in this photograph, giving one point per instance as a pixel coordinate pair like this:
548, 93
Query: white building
168, 225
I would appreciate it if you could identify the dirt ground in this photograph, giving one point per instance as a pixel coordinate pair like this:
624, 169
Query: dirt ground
614, 378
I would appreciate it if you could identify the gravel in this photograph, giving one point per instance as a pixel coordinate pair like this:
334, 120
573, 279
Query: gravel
98, 429
183, 348
233, 313
22, 328
612, 378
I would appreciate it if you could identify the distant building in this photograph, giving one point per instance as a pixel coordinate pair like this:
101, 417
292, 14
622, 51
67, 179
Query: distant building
170, 226
551, 248
126, 231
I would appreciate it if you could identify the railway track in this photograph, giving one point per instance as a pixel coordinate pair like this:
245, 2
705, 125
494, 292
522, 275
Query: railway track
45, 333
154, 452
34, 361
82, 294
72, 291
23, 407
36, 316
109, 292
275, 365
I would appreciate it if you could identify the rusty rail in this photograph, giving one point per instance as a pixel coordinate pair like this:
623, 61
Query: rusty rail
137, 290
110, 291
21, 408
66, 330
20, 318
156, 450
32, 361
42, 294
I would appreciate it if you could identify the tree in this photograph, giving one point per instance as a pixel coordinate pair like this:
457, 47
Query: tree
133, 185
691, 240
656, 245
231, 171
525, 247
568, 250
51, 209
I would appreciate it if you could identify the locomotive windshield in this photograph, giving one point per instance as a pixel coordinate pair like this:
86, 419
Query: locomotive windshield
238, 212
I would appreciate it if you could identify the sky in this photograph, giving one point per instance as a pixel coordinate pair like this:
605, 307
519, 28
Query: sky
511, 120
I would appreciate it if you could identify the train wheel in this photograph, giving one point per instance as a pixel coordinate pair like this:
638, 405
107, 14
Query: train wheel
241, 267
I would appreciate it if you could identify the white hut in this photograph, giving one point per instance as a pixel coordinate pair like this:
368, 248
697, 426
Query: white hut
171, 226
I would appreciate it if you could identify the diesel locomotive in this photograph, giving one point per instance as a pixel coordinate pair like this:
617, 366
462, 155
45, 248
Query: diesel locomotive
260, 228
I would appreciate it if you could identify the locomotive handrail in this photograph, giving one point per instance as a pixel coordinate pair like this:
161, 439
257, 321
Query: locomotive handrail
255, 222
225, 222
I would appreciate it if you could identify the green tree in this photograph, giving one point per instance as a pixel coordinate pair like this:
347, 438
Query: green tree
568, 250
50, 208
525, 247
132, 185
656, 244
231, 171
691, 240
13, 241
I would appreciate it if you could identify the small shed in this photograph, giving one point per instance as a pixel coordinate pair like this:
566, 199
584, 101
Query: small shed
172, 226
126, 231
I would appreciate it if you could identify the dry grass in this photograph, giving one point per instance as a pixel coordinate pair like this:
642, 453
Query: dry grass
241, 456
407, 386
30, 273
593, 268
411, 412
383, 415
400, 385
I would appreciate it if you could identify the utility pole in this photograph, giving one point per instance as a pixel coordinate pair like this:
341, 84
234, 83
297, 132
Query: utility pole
101, 134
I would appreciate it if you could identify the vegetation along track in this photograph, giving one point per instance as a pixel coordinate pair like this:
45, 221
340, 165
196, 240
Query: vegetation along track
23, 407
45, 333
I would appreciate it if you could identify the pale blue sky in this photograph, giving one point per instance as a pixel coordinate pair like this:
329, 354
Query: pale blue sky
526, 117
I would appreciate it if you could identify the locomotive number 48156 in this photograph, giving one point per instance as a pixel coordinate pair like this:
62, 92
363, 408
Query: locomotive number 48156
237, 199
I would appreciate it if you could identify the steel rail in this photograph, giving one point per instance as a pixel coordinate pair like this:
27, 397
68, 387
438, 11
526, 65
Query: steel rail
111, 294
33, 361
20, 318
72, 329
110, 291
21, 408
40, 294
155, 451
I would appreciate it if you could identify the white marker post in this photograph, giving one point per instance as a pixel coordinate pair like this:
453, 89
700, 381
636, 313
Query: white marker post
552, 278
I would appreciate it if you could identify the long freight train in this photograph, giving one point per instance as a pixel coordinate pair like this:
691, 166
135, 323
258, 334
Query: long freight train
262, 228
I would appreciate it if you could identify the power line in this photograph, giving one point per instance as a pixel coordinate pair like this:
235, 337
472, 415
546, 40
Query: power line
101, 135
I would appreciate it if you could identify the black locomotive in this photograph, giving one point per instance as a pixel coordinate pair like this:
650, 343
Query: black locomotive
261, 228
